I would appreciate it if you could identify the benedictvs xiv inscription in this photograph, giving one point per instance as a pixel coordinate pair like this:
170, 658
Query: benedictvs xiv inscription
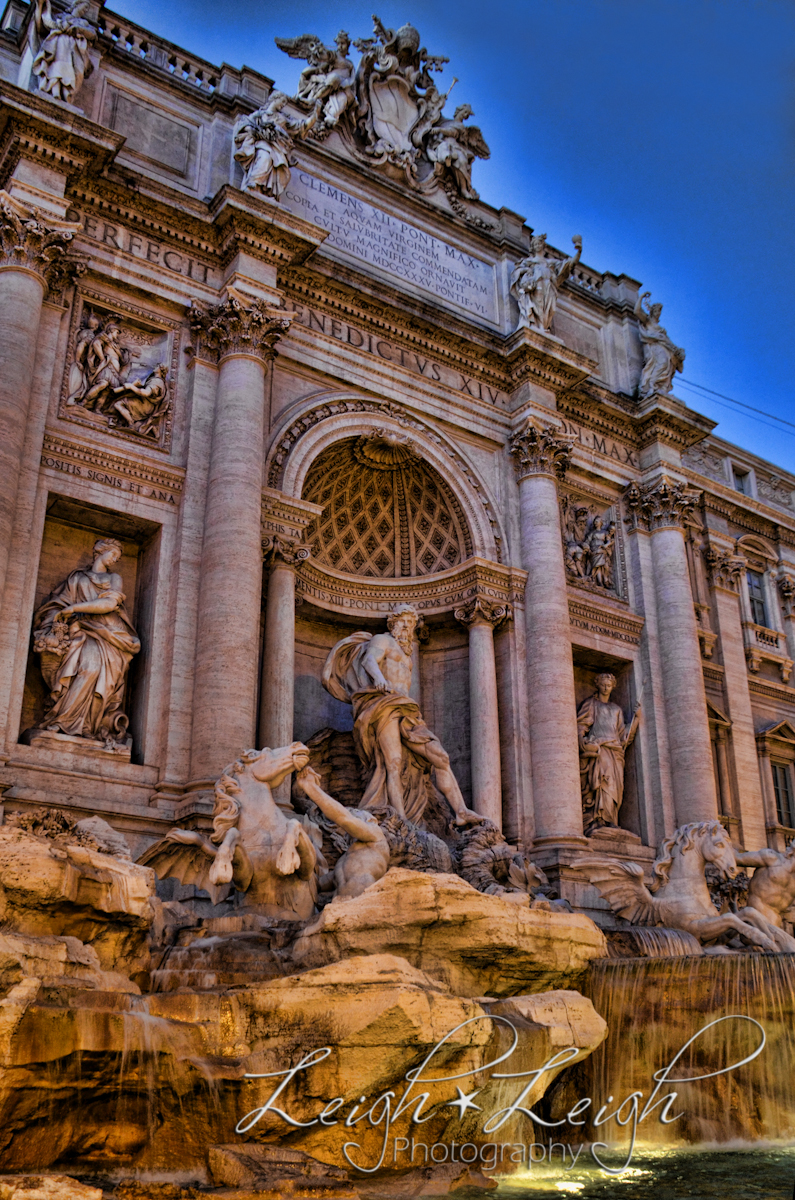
416, 258
371, 343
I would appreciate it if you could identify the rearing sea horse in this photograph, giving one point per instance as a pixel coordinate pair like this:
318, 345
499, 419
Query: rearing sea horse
268, 856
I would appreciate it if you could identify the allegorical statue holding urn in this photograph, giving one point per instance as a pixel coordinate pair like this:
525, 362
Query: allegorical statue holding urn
86, 642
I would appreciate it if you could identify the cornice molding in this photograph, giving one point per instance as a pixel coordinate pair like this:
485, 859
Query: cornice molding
443, 593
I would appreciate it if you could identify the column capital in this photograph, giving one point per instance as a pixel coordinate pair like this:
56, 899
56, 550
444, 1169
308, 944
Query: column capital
540, 451
31, 244
659, 505
234, 327
725, 569
483, 612
284, 551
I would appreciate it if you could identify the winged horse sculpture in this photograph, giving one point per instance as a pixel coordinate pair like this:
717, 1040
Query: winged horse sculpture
254, 847
678, 897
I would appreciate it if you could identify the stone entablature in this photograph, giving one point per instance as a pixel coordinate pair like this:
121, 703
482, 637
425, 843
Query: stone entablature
441, 593
94, 464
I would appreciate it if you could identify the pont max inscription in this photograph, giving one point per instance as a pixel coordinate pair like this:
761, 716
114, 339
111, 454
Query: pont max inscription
416, 258
602, 445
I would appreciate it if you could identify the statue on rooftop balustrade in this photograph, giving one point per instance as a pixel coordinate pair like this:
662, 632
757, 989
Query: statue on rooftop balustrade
264, 145
536, 280
661, 358
63, 61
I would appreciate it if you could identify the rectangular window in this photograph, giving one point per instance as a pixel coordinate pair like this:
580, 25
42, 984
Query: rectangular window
756, 594
785, 802
742, 481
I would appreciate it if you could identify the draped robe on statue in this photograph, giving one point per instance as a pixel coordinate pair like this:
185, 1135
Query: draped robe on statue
602, 724
87, 682
346, 679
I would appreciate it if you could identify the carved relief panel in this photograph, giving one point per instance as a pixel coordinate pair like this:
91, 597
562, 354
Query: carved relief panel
120, 371
592, 543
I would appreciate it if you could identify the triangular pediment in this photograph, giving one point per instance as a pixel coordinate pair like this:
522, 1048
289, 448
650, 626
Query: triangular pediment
714, 714
783, 730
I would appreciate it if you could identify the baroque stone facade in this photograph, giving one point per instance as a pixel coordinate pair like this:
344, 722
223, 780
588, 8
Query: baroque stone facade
279, 353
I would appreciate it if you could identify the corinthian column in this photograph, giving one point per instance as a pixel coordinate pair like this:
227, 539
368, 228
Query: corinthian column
726, 570
277, 692
541, 457
481, 617
242, 340
660, 509
30, 251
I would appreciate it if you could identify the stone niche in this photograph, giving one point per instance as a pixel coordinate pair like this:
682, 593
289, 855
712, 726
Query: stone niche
443, 692
70, 530
587, 665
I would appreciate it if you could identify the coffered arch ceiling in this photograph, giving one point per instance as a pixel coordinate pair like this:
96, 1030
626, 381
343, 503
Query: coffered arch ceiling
387, 513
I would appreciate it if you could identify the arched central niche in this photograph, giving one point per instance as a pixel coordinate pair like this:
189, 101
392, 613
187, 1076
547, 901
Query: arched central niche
386, 512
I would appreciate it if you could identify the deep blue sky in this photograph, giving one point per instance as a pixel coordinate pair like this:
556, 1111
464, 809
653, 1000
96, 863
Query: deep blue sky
663, 131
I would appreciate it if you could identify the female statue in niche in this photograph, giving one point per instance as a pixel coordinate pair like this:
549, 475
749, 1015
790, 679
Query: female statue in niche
603, 737
86, 643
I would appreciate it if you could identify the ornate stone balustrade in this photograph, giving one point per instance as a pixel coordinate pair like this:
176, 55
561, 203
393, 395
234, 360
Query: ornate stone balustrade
158, 53
766, 645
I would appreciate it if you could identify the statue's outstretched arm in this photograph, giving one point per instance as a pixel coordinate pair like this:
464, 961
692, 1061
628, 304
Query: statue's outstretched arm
756, 858
361, 831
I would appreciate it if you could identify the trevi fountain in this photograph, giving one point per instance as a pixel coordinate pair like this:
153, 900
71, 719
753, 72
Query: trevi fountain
396, 724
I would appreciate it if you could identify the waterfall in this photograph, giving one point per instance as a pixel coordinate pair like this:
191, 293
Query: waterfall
654, 1006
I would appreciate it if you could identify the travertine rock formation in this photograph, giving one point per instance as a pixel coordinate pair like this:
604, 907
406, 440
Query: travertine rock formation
475, 944
54, 888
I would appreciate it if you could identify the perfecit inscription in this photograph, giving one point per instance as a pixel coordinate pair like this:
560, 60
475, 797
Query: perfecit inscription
418, 259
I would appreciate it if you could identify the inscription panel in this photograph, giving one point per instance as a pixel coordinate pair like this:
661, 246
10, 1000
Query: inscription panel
416, 259
618, 451
110, 470
410, 360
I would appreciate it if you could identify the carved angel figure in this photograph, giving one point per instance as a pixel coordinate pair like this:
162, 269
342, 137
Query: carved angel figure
453, 146
263, 147
63, 61
143, 404
327, 83
661, 358
86, 643
535, 281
